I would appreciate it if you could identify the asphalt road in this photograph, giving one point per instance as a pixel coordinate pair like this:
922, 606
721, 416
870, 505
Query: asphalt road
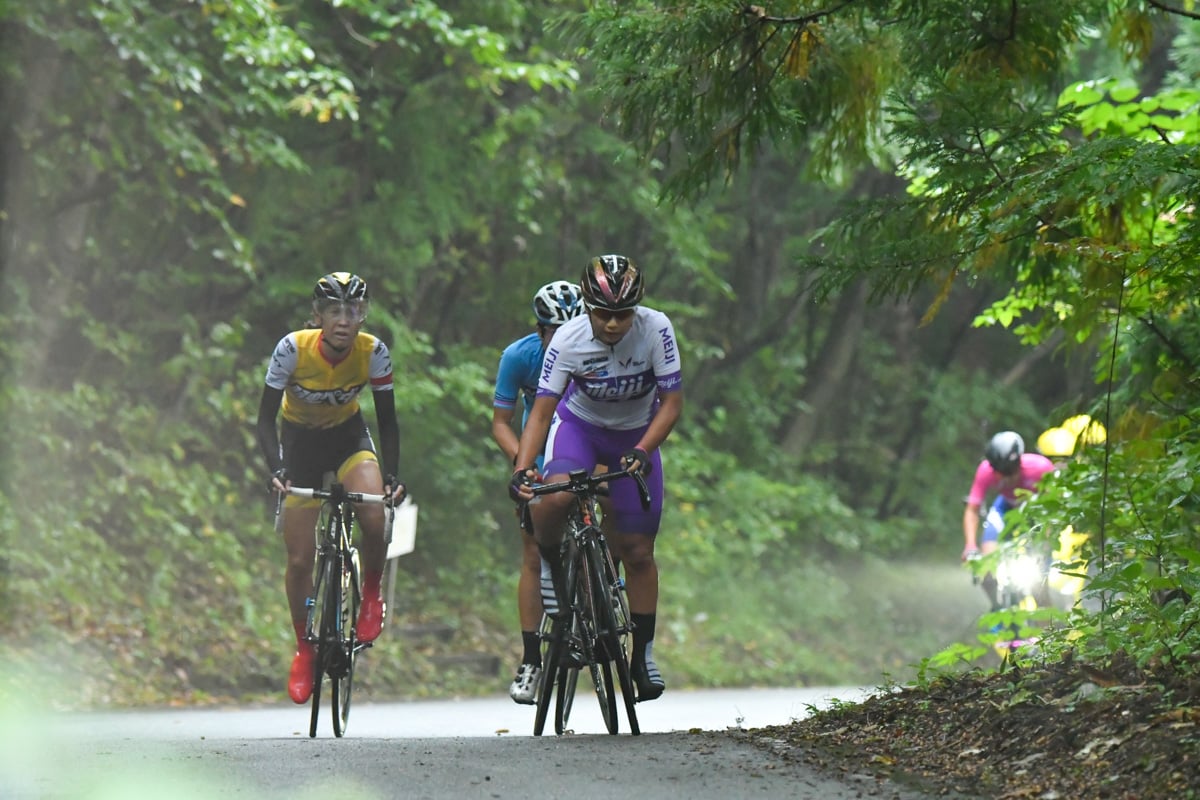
478, 748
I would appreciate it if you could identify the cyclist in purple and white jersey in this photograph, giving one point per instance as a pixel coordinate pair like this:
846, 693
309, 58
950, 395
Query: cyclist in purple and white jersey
517, 376
616, 371
1005, 469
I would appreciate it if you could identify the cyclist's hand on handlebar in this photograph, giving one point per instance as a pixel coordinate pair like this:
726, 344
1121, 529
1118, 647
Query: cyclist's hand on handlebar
520, 486
394, 489
637, 460
970, 553
280, 480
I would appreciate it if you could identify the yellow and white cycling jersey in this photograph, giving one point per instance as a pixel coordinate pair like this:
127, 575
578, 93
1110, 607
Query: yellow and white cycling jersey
318, 393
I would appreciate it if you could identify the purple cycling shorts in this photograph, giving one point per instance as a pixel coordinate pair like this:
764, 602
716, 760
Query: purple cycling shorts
575, 444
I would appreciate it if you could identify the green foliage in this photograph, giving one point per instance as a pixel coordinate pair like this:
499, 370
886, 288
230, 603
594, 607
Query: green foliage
174, 183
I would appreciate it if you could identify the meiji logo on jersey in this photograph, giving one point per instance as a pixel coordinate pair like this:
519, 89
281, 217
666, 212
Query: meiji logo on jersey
548, 363
668, 345
628, 388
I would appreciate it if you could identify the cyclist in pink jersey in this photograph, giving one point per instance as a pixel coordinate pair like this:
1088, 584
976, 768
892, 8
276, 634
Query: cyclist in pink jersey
1012, 474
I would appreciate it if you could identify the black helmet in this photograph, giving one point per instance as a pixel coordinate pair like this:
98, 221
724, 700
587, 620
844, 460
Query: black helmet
557, 302
612, 282
341, 287
1004, 452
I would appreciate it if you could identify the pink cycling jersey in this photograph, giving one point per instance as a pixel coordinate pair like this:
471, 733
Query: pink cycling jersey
1033, 467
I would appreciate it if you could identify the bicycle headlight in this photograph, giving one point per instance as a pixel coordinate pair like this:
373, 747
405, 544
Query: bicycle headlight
1023, 571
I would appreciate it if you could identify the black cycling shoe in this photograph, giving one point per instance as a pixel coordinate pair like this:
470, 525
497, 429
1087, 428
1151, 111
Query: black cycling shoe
648, 679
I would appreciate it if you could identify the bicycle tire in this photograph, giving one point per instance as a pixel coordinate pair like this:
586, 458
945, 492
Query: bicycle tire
352, 642
550, 670
316, 632
342, 676
600, 644
610, 607
331, 638
568, 681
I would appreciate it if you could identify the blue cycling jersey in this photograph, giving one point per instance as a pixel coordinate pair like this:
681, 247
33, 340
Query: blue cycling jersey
517, 376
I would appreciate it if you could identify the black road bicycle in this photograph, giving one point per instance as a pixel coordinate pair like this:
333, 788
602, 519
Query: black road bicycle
337, 595
592, 631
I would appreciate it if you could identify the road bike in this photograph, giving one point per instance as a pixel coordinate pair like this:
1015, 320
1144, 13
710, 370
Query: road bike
592, 630
337, 595
1023, 603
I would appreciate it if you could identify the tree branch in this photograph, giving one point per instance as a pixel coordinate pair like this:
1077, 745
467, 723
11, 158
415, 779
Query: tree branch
1172, 10
760, 14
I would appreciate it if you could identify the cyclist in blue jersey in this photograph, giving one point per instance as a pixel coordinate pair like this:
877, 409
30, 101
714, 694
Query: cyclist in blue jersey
517, 377
617, 374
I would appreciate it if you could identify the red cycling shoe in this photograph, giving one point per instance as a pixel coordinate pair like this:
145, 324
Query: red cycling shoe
370, 619
300, 680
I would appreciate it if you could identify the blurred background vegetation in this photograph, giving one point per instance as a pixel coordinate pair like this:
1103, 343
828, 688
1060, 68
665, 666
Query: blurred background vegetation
878, 248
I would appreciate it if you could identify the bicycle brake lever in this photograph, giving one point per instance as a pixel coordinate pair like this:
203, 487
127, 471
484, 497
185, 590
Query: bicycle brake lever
643, 491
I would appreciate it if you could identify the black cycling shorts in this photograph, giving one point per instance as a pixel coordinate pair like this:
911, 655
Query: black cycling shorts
308, 453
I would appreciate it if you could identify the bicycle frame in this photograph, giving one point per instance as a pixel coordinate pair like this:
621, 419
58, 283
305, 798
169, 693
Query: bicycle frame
337, 595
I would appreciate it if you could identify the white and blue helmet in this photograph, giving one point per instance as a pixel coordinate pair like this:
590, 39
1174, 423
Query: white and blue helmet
557, 302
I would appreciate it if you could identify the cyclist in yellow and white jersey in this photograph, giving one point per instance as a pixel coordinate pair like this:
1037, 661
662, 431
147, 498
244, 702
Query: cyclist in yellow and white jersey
316, 376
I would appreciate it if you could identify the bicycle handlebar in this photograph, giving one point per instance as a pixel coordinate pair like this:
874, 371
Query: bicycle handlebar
580, 483
338, 494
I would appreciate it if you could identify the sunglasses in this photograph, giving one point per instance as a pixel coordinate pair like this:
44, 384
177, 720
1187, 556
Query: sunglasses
605, 315
355, 311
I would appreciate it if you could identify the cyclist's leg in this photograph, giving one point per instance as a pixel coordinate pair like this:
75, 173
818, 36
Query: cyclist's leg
632, 537
299, 521
302, 456
360, 473
568, 447
529, 610
358, 470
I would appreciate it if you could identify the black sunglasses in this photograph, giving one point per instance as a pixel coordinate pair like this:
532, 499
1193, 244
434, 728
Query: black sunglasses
604, 314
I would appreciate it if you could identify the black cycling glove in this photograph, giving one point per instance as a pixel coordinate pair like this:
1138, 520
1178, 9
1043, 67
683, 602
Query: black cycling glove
519, 479
639, 455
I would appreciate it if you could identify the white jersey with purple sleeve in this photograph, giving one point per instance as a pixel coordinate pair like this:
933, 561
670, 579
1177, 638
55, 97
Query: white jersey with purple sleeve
612, 386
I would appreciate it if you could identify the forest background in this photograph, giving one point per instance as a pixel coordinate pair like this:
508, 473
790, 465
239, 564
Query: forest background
884, 231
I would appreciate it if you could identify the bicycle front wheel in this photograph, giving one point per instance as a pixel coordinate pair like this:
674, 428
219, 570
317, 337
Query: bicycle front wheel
590, 599
317, 633
342, 681
568, 676
552, 672
568, 680
612, 628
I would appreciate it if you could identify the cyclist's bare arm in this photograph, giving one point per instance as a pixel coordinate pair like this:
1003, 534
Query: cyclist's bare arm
503, 433
533, 438
970, 528
669, 410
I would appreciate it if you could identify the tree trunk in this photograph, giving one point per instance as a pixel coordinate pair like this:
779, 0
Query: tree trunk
827, 375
